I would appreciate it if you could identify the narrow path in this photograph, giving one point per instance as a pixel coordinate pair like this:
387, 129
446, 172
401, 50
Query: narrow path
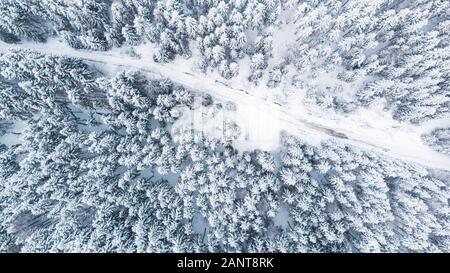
406, 146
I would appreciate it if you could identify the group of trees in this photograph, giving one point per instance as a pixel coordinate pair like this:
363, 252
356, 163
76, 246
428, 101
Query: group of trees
439, 140
397, 51
343, 199
217, 29
75, 182
98, 168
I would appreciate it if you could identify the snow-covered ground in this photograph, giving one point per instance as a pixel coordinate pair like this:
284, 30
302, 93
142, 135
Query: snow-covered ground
262, 118
258, 129
12, 136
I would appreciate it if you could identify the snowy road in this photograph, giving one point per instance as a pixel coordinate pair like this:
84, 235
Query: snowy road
398, 143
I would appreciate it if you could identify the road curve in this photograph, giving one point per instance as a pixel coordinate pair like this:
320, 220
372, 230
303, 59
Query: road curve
200, 83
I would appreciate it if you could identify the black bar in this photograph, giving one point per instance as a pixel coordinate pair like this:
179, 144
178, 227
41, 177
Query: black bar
225, 262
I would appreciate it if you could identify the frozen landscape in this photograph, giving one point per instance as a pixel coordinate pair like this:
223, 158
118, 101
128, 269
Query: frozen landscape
224, 126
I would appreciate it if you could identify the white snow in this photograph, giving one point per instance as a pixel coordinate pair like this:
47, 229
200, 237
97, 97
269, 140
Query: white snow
282, 217
13, 136
283, 36
262, 119
259, 129
199, 224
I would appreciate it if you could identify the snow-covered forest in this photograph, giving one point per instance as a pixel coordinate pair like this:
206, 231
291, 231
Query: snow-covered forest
224, 126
